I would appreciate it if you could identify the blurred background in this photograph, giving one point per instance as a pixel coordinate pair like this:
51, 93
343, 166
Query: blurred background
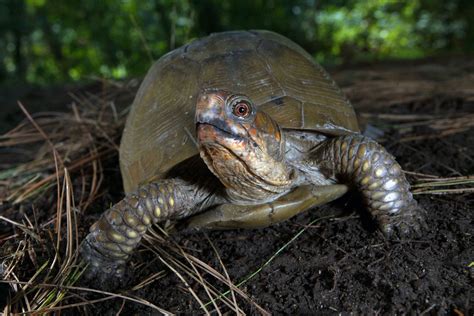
48, 42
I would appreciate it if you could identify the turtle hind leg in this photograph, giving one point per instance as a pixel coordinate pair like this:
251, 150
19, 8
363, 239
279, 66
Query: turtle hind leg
230, 216
366, 165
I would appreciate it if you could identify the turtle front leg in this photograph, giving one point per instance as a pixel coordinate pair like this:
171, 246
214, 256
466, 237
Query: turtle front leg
363, 163
116, 235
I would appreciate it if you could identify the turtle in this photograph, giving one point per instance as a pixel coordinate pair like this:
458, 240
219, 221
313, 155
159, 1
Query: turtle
242, 129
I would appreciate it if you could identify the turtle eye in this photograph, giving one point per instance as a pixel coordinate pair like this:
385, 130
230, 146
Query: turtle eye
241, 109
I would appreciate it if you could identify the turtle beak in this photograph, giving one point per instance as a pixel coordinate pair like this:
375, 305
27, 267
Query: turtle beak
210, 116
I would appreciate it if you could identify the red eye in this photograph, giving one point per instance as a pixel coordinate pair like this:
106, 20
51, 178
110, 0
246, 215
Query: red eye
242, 109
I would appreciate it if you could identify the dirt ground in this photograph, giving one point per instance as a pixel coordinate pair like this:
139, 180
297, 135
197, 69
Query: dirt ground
332, 260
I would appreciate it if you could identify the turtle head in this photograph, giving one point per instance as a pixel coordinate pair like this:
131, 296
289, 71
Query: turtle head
242, 146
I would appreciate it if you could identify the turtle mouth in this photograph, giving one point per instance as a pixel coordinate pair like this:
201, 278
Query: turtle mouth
212, 133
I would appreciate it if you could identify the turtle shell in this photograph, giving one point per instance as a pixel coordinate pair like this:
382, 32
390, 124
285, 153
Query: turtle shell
277, 74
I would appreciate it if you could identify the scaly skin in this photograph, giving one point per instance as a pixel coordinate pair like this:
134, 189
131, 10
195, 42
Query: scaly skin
363, 163
116, 235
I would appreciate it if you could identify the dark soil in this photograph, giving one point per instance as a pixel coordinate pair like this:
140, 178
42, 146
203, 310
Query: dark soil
340, 263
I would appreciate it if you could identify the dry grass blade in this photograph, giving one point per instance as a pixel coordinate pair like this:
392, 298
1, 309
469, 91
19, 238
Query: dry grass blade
201, 281
439, 185
52, 145
193, 293
77, 288
225, 271
152, 278
445, 191
42, 133
172, 255
29, 296
79, 140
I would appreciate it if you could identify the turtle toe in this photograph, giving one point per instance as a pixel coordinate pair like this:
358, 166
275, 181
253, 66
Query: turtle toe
100, 271
411, 224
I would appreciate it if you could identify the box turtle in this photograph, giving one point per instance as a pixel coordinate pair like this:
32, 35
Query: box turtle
242, 130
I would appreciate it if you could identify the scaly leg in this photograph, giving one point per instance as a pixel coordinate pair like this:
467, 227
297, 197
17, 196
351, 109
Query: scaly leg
363, 163
115, 236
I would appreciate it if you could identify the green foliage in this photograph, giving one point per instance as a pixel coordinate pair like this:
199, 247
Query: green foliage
44, 41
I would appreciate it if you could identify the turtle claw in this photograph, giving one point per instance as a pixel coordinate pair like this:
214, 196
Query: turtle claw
411, 224
105, 280
102, 272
